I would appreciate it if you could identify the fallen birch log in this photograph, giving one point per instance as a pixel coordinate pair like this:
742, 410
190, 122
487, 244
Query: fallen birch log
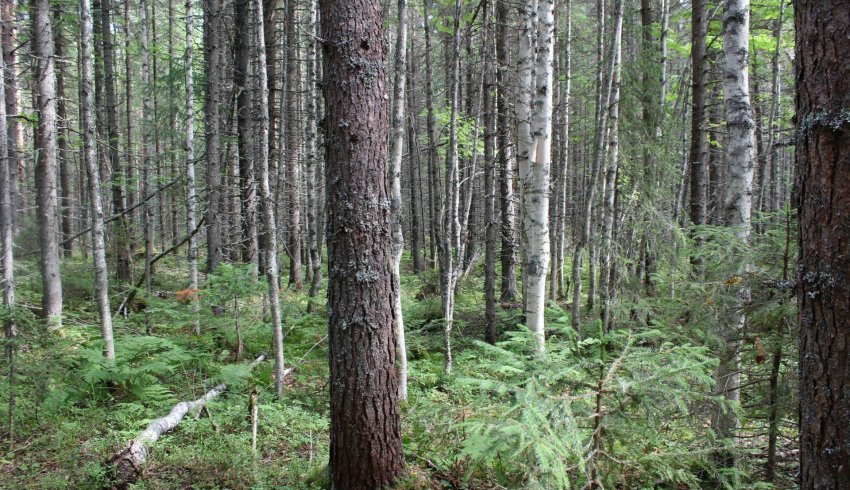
126, 464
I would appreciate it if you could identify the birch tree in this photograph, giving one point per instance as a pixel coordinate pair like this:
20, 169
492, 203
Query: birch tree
191, 188
740, 164
534, 145
397, 119
269, 221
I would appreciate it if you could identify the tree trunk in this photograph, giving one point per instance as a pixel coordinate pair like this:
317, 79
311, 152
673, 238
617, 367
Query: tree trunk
740, 163
506, 158
191, 192
416, 199
62, 137
534, 146
451, 245
823, 150
46, 164
396, 153
490, 225
365, 435
88, 129
245, 137
608, 209
598, 158
123, 241
431, 126
148, 152
14, 129
268, 210
212, 65
7, 261
699, 144
293, 165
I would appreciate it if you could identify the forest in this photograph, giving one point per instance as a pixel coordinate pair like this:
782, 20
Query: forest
425, 244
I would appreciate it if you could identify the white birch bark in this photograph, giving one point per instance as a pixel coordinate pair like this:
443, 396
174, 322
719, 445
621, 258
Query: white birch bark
87, 119
191, 192
7, 164
740, 161
269, 222
396, 152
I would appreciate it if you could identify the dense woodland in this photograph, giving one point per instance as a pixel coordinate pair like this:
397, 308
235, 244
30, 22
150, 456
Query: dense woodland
485, 244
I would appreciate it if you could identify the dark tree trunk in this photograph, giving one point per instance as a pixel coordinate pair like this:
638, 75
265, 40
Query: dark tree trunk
506, 158
699, 144
823, 184
61, 113
122, 233
416, 199
490, 225
247, 181
365, 435
212, 61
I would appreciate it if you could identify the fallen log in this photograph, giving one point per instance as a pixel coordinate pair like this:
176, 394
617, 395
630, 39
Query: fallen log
125, 466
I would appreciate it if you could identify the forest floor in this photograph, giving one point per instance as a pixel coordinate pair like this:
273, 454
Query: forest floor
72, 413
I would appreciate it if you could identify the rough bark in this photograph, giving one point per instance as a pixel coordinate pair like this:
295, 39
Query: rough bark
490, 224
14, 129
293, 164
46, 163
699, 144
365, 435
65, 203
212, 60
245, 137
823, 175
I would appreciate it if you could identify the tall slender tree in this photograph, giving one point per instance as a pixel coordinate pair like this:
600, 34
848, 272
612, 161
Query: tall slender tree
191, 188
47, 163
397, 127
88, 130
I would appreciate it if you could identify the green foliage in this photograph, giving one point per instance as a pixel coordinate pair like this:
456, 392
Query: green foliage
140, 365
538, 412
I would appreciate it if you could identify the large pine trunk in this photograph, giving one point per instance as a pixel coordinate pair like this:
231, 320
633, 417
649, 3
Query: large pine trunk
365, 433
823, 187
